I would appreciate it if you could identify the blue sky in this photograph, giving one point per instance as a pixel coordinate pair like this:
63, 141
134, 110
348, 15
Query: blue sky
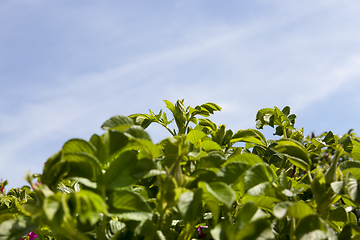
67, 66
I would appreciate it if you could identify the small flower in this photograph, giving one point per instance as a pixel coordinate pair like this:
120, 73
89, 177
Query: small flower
2, 190
35, 184
31, 236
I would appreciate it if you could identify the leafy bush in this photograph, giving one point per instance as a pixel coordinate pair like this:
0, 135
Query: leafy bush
199, 183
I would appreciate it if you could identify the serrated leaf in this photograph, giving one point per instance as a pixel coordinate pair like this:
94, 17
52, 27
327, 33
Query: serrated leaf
205, 122
256, 177
211, 107
82, 165
137, 132
352, 188
79, 146
119, 123
220, 191
355, 153
120, 172
350, 166
295, 151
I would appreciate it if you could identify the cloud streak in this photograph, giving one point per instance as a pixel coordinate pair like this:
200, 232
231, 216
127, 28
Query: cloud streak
100, 61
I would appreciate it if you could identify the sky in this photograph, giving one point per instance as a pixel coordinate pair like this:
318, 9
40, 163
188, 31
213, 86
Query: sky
68, 66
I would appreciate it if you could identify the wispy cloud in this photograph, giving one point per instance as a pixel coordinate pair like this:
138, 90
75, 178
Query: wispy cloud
99, 60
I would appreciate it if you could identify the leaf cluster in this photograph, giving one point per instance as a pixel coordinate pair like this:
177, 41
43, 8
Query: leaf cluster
195, 184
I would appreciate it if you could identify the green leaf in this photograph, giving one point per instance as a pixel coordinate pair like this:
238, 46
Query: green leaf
214, 194
219, 190
143, 120
146, 228
281, 119
118, 123
295, 152
338, 187
195, 136
355, 153
249, 212
86, 205
212, 160
222, 231
14, 229
286, 110
148, 149
299, 210
120, 171
221, 136
252, 223
82, 165
137, 132
179, 115
211, 107
205, 122
264, 117
210, 146
109, 145
257, 177
338, 215
281, 209
311, 228
352, 188
123, 201
259, 229
250, 136
133, 216
330, 138
190, 205
53, 209
79, 146
346, 144
54, 170
247, 158
170, 106
350, 166
231, 172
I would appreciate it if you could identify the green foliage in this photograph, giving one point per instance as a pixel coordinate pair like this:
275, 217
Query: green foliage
196, 184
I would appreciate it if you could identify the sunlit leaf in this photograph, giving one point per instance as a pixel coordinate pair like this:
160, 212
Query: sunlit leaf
119, 123
295, 151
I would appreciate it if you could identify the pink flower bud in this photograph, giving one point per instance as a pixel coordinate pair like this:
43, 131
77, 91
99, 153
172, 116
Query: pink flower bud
31, 236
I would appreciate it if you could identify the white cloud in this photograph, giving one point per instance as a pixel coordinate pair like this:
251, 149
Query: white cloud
284, 54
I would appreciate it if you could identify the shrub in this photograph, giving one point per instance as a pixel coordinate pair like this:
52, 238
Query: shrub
199, 183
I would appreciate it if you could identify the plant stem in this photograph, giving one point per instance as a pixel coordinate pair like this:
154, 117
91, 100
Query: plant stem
309, 174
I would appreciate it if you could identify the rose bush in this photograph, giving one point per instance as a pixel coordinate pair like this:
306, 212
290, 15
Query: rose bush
198, 183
